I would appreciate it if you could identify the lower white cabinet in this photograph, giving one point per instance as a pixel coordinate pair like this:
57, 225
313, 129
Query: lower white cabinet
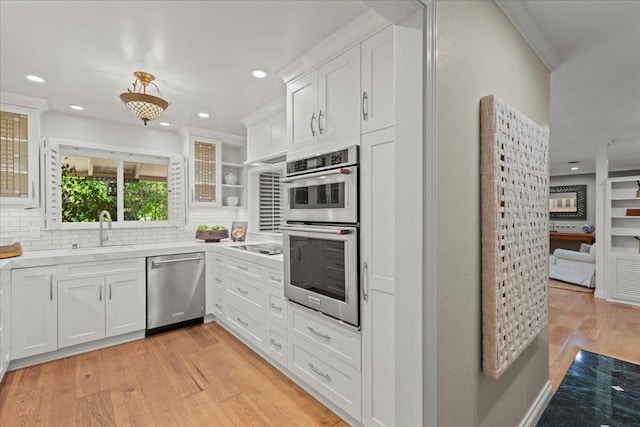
5, 321
625, 277
34, 308
276, 343
92, 308
249, 323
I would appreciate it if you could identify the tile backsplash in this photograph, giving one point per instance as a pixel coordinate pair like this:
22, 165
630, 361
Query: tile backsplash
21, 224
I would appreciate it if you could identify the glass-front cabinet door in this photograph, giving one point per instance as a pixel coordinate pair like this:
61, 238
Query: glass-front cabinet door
19, 139
204, 172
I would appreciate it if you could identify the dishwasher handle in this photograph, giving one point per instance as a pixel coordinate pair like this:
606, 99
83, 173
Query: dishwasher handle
171, 261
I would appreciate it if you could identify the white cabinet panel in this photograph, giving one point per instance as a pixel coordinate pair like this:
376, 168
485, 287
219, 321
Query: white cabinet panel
247, 322
5, 321
377, 82
80, 311
338, 99
34, 303
126, 303
258, 141
276, 345
378, 285
625, 271
278, 133
302, 112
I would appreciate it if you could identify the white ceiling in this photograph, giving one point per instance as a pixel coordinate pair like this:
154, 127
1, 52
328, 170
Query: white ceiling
201, 52
595, 91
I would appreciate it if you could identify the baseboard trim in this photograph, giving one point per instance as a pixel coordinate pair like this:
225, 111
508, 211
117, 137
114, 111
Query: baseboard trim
538, 407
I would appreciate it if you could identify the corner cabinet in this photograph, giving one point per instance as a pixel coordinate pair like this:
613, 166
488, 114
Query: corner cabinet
34, 309
267, 132
377, 82
323, 105
19, 150
215, 168
622, 247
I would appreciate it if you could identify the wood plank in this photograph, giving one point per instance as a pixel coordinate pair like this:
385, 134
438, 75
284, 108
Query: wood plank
59, 380
243, 412
95, 410
202, 335
203, 409
89, 375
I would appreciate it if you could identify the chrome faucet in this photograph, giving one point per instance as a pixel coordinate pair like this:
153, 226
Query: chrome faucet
102, 238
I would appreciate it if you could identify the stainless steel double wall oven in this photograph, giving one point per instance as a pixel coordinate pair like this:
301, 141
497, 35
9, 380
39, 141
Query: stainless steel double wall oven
321, 235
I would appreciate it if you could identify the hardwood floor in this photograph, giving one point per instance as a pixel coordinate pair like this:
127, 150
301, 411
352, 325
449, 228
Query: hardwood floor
579, 321
198, 376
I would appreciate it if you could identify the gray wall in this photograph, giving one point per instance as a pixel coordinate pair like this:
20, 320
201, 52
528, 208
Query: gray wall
479, 53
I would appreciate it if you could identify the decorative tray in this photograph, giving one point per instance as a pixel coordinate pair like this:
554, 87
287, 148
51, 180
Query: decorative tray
212, 235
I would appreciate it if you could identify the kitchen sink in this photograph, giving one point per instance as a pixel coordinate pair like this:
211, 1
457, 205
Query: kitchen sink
99, 249
261, 248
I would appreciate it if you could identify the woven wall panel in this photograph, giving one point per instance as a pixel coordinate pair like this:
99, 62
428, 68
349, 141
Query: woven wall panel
515, 233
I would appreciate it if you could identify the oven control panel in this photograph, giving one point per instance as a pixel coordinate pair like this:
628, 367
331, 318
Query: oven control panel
345, 157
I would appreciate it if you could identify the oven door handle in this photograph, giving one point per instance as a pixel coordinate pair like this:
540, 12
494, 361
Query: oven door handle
341, 171
337, 231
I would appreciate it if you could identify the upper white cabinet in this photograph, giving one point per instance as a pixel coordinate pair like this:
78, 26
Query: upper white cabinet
377, 81
19, 148
267, 132
215, 166
323, 105
34, 308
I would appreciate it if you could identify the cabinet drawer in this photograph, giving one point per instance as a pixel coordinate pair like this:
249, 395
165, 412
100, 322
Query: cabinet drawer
277, 310
248, 324
335, 340
218, 283
90, 269
275, 278
276, 344
218, 260
218, 306
333, 379
245, 289
244, 268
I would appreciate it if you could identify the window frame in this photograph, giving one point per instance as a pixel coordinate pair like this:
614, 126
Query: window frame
120, 155
254, 197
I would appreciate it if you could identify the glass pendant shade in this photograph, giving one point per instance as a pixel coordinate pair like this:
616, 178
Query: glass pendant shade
142, 105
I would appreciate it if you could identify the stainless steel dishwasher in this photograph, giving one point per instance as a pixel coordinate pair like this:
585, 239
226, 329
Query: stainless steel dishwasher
175, 291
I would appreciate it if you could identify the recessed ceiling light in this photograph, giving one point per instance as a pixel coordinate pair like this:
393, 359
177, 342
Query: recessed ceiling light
575, 168
76, 107
259, 74
164, 124
34, 78
203, 115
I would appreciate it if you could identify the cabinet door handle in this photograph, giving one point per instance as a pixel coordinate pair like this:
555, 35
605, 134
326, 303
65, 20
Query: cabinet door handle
323, 336
317, 371
242, 267
276, 307
100, 293
365, 281
110, 290
51, 287
33, 189
275, 344
274, 277
320, 128
192, 199
365, 106
313, 131
217, 259
242, 291
242, 322
219, 307
218, 280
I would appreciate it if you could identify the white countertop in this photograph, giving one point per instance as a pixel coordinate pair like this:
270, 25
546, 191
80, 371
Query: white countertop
108, 253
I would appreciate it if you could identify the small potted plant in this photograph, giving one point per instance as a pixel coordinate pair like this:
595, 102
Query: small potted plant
211, 234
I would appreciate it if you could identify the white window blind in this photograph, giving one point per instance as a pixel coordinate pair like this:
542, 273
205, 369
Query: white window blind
270, 201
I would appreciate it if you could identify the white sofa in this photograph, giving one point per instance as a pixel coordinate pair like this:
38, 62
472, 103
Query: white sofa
574, 267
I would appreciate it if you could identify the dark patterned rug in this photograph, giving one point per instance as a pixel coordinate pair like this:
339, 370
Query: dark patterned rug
596, 391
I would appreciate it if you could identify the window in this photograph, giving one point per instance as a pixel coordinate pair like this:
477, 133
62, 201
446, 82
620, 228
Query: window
133, 188
270, 201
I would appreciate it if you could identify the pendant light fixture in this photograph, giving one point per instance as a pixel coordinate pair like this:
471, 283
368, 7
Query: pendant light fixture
142, 105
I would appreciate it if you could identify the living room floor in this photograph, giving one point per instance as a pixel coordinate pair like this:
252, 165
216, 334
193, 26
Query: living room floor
577, 321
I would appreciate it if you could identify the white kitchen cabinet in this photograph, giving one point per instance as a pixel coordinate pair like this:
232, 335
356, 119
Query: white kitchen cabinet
267, 132
19, 155
81, 311
34, 311
125, 303
204, 172
5, 321
625, 277
323, 105
377, 98
377, 281
100, 299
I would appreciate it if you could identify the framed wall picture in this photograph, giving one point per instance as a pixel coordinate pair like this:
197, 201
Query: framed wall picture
568, 202
238, 231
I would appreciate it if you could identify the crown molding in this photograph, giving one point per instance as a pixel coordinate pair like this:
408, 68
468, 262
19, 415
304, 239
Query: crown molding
346, 37
271, 109
516, 11
24, 101
227, 138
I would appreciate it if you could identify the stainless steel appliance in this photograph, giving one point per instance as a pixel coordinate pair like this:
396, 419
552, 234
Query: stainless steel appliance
323, 188
175, 291
321, 237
